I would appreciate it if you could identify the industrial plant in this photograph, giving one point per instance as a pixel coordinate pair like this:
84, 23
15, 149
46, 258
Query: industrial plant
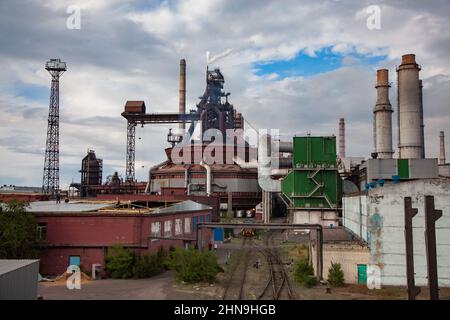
383, 217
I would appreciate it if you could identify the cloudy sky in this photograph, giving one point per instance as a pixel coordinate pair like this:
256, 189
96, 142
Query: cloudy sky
293, 65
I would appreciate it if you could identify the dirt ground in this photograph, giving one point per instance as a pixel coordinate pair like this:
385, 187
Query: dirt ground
165, 287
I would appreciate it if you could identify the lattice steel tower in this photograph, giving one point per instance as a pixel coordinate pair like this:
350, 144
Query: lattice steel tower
50, 183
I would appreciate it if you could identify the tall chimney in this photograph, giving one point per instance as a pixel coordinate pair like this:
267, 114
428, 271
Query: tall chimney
182, 94
383, 117
341, 138
442, 148
410, 114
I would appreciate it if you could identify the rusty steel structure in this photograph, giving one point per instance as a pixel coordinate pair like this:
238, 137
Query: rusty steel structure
431, 216
50, 181
410, 213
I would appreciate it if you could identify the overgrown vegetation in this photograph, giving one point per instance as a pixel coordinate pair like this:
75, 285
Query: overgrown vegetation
17, 231
194, 265
335, 275
304, 273
120, 262
123, 264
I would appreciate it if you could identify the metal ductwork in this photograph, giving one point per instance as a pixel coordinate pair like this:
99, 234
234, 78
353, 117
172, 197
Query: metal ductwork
148, 186
265, 165
208, 177
383, 117
410, 109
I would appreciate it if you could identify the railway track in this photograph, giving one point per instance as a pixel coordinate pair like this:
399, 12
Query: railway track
234, 289
278, 285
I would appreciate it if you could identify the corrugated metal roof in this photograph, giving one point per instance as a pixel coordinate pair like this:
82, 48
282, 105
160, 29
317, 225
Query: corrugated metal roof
52, 206
187, 205
8, 265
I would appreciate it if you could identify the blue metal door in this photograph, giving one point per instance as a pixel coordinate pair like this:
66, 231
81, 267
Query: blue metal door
218, 234
74, 261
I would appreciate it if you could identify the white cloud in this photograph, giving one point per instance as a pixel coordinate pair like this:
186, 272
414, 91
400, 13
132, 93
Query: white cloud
131, 51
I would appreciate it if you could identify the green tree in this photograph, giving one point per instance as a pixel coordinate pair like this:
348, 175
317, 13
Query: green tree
150, 264
17, 232
193, 265
120, 262
304, 273
335, 275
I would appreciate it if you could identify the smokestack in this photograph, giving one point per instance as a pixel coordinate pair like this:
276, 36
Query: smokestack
442, 148
410, 110
383, 117
341, 138
182, 94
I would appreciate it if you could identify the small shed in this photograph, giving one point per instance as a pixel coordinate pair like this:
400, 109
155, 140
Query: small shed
18, 279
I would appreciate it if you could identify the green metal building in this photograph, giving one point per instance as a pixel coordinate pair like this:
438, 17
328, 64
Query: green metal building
314, 182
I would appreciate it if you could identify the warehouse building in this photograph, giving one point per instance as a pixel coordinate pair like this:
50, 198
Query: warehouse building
79, 233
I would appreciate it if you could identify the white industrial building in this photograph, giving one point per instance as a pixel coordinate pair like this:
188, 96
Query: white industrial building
378, 218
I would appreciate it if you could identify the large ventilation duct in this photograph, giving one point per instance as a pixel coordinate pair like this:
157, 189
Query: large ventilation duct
442, 148
182, 94
410, 110
265, 165
208, 177
383, 117
341, 138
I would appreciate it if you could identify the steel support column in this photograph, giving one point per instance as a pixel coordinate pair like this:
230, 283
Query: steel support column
131, 151
431, 216
410, 213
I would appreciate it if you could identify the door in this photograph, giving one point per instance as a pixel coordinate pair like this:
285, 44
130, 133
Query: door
362, 274
74, 261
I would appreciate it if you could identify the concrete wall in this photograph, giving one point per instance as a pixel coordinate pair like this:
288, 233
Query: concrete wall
349, 255
21, 282
385, 235
324, 218
354, 215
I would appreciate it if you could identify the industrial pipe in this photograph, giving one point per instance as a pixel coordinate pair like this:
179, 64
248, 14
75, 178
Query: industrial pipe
341, 138
264, 165
148, 186
442, 148
383, 117
182, 95
410, 108
208, 177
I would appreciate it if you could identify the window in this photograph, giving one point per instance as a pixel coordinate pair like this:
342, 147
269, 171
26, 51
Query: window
168, 228
187, 225
178, 227
156, 229
41, 231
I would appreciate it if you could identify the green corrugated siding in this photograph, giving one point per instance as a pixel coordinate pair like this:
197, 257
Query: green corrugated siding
403, 168
313, 152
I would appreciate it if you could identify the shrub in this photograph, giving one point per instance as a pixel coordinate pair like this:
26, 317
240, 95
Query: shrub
120, 262
335, 275
149, 264
193, 266
304, 273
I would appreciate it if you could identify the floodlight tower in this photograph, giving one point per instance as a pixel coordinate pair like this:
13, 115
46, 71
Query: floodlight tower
50, 183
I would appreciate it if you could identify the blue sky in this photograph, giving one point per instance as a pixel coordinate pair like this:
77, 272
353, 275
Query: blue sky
305, 65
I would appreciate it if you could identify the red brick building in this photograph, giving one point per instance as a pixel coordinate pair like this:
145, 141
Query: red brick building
82, 233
